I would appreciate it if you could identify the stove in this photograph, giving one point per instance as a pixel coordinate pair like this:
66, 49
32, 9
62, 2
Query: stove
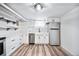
2, 46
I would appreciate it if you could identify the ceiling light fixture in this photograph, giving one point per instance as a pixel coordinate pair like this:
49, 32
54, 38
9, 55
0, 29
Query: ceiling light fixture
38, 6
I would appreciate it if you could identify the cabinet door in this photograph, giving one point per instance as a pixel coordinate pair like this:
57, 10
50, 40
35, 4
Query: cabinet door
54, 37
37, 39
46, 39
41, 39
11, 45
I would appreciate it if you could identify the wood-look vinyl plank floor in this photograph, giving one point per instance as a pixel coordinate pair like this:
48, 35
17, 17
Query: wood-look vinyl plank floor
51, 51
61, 50
59, 53
28, 51
25, 51
47, 50
43, 50
39, 50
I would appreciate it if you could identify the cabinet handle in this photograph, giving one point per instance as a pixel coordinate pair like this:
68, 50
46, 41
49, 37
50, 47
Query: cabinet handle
13, 40
13, 48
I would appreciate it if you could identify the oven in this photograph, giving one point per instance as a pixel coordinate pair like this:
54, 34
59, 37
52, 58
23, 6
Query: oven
2, 46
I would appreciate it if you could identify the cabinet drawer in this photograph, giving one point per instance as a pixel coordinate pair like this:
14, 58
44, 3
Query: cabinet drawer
10, 44
9, 49
10, 40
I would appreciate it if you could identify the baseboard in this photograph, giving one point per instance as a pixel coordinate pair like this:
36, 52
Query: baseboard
25, 43
41, 43
67, 52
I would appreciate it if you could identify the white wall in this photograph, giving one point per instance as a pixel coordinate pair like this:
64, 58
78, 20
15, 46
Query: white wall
70, 31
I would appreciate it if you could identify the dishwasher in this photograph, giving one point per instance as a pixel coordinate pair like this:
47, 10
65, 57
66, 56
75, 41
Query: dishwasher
31, 38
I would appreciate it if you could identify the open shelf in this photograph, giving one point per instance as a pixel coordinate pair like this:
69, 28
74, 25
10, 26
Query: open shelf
8, 24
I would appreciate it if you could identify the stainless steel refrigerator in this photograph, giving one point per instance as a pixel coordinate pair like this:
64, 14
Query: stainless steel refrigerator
54, 33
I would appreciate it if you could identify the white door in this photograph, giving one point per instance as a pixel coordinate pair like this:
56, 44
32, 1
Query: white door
54, 37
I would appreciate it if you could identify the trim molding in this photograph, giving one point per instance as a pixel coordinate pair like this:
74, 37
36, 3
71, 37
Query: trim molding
4, 5
67, 52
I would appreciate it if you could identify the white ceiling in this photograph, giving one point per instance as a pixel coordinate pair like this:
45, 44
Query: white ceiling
50, 10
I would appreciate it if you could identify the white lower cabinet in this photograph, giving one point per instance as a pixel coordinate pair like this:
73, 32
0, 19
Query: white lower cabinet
41, 38
12, 44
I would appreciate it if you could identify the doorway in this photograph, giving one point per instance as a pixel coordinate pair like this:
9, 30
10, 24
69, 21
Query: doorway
31, 38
